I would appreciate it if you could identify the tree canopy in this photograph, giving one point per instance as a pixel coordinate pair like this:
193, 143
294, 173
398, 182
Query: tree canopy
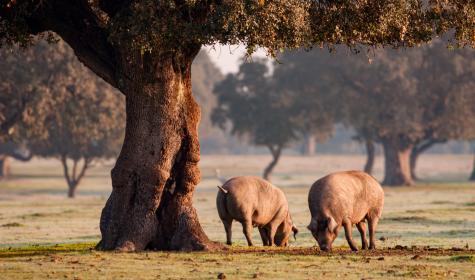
95, 28
260, 106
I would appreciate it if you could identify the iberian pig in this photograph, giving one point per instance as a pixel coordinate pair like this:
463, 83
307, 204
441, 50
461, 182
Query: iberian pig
255, 202
344, 199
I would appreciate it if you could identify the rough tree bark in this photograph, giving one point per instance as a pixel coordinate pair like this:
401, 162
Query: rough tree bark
73, 177
276, 151
396, 163
370, 154
417, 151
154, 178
157, 170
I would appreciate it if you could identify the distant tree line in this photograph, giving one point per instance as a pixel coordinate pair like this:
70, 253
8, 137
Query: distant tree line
405, 100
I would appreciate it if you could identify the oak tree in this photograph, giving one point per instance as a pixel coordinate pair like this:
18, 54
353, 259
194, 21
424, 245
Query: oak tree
146, 48
252, 105
72, 115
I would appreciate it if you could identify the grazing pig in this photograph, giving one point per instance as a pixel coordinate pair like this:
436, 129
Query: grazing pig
344, 199
255, 202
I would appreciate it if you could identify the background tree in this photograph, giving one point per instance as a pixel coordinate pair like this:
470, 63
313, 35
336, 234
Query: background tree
446, 83
74, 116
146, 49
254, 107
472, 175
403, 99
314, 110
12, 149
205, 76
429, 82
23, 74
82, 122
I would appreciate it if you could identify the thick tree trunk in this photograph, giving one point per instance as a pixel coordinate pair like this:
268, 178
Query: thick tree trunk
310, 145
154, 178
276, 152
417, 151
72, 190
370, 154
472, 176
396, 163
73, 178
4, 167
413, 163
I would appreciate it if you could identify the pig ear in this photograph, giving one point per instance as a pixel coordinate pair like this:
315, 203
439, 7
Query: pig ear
295, 230
313, 226
331, 224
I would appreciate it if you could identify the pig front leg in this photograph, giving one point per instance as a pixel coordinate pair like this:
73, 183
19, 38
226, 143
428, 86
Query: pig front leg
362, 229
348, 234
264, 236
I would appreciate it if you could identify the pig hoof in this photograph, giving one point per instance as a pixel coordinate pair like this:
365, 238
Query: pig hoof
354, 249
229, 243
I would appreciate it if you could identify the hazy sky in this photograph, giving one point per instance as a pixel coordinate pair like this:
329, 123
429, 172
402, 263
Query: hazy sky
227, 57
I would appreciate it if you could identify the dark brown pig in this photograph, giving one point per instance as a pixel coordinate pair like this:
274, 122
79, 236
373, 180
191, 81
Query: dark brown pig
345, 199
255, 202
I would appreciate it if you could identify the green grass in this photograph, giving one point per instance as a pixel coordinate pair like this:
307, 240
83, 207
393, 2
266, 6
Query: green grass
464, 258
45, 235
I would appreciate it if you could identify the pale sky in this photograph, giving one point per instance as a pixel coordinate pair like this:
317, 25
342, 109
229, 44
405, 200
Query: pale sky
228, 57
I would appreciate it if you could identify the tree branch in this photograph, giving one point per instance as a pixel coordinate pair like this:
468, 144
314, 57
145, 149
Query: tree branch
78, 24
65, 170
85, 166
75, 167
112, 7
19, 156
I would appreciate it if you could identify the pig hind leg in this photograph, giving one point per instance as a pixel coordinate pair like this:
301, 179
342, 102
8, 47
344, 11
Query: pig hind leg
264, 236
228, 224
372, 223
362, 229
274, 224
349, 236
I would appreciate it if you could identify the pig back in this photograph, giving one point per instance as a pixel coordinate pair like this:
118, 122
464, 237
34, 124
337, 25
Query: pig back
351, 194
250, 196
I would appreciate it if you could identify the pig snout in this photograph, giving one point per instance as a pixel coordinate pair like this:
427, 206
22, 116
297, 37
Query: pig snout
325, 247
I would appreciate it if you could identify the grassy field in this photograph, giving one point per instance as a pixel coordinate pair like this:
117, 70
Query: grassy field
428, 230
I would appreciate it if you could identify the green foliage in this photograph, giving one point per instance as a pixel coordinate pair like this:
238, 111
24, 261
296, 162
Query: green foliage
254, 107
173, 25
409, 95
47, 249
71, 113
